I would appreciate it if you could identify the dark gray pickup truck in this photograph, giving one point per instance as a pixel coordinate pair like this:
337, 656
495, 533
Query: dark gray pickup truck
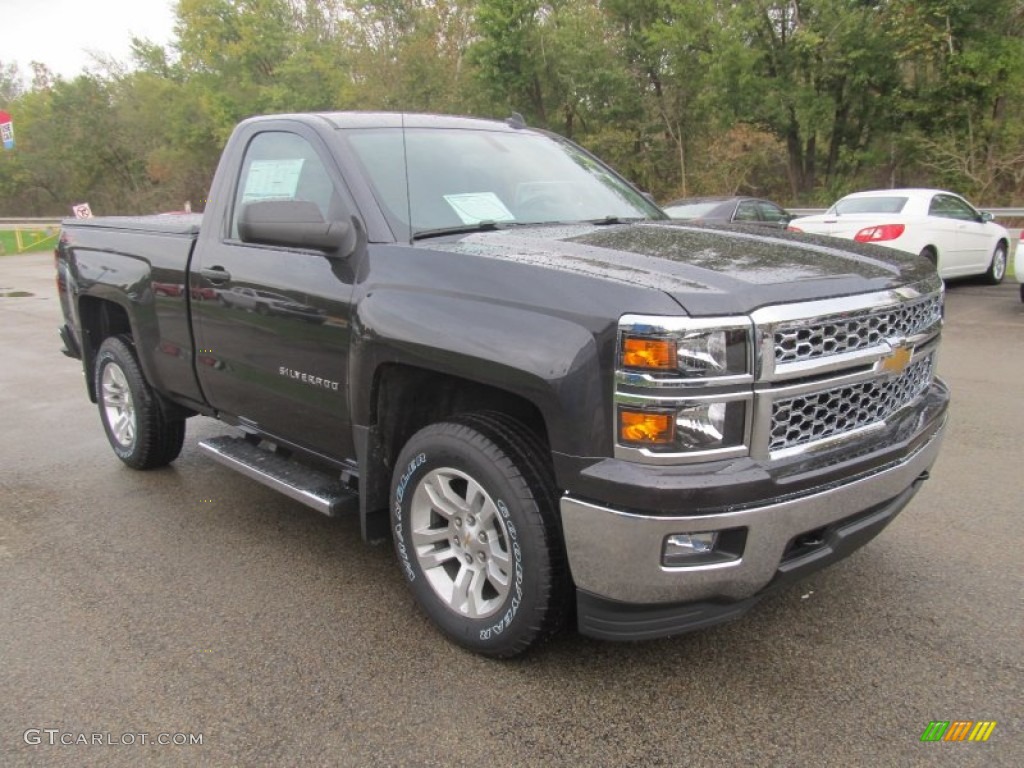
498, 353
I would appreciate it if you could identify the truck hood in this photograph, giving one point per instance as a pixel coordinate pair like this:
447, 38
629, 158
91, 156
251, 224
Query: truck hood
708, 270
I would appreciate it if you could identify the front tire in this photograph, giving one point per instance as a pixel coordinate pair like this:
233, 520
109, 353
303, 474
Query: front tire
138, 430
477, 536
997, 269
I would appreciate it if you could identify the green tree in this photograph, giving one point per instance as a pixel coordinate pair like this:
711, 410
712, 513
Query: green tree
819, 74
10, 83
963, 68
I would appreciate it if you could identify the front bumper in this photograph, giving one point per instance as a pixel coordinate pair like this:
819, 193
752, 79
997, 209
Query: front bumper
624, 591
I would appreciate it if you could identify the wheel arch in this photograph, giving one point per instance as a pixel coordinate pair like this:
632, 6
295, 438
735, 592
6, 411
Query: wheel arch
99, 319
405, 398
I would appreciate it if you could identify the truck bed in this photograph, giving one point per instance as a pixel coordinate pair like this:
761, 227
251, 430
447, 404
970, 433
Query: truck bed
139, 263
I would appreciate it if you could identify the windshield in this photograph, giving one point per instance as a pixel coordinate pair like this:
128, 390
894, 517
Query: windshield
888, 204
460, 179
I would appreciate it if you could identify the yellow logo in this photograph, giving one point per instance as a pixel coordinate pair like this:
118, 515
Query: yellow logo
896, 361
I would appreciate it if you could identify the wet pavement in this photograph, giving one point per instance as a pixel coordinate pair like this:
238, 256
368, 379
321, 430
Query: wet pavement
191, 602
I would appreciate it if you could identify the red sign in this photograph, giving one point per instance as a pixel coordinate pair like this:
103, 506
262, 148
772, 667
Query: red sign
6, 130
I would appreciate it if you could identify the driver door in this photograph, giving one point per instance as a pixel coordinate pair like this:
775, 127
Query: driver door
278, 360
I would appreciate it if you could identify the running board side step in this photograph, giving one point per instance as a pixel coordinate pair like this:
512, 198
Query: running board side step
310, 487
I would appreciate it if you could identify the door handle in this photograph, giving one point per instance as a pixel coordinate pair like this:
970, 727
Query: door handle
215, 275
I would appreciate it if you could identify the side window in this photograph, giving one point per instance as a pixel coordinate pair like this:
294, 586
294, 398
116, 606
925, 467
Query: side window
949, 207
771, 212
284, 166
746, 211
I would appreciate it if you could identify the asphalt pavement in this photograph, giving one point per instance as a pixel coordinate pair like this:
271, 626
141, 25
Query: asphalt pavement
190, 605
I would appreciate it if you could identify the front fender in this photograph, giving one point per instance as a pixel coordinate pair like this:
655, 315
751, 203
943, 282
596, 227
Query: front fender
547, 359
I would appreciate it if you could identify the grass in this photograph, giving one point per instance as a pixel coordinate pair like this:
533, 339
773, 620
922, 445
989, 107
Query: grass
27, 240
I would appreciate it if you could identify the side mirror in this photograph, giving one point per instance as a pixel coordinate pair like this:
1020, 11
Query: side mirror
986, 217
295, 224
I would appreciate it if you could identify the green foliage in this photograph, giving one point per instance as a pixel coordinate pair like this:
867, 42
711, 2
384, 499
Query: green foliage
801, 100
27, 240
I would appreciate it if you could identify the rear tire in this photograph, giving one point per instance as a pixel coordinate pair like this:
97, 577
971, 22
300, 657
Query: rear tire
138, 429
477, 535
997, 269
928, 252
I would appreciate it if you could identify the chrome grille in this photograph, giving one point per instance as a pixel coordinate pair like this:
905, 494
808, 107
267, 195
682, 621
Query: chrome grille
824, 336
831, 412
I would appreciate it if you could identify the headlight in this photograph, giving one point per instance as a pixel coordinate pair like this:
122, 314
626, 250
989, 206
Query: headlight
712, 353
685, 348
684, 388
701, 426
690, 426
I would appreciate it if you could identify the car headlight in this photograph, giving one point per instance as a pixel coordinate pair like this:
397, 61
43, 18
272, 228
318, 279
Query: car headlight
685, 348
689, 426
660, 415
712, 353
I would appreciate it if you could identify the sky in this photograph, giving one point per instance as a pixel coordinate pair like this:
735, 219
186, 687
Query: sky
62, 33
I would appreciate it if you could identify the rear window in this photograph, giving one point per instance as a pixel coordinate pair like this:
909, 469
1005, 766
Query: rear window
690, 210
892, 204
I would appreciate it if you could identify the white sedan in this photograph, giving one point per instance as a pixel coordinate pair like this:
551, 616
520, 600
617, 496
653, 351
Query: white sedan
941, 226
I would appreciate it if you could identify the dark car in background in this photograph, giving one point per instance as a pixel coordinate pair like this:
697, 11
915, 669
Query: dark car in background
725, 210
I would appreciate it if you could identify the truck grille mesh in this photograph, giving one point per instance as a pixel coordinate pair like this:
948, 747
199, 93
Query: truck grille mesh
806, 418
825, 336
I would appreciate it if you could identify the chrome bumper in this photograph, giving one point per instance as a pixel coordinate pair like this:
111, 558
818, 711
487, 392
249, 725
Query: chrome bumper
617, 555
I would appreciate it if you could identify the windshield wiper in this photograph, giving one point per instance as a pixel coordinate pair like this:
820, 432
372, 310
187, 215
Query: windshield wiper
487, 225
616, 220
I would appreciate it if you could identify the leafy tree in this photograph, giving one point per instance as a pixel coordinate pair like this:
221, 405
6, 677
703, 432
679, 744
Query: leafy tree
10, 83
963, 65
797, 99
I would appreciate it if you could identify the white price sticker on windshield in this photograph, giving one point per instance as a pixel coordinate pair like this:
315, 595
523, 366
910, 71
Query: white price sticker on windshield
474, 207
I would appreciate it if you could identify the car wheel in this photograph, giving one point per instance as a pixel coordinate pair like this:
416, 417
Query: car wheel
476, 533
929, 252
997, 269
138, 430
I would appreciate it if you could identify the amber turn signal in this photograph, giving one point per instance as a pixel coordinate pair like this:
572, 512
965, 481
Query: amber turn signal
646, 427
658, 354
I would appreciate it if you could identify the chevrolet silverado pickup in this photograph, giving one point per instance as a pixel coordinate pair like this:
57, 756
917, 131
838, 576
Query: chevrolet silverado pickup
557, 404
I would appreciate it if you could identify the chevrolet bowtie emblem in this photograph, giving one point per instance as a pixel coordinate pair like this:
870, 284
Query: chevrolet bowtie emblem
896, 361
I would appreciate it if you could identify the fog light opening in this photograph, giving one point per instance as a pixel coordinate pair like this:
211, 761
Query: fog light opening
703, 548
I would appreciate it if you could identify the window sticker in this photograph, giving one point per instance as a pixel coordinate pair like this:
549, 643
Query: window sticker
272, 179
474, 207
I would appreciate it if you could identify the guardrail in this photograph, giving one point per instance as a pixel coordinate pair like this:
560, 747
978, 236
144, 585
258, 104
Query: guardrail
29, 223
999, 213
28, 235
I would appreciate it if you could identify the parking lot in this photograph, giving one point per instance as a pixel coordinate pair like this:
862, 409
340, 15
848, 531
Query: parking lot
193, 602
